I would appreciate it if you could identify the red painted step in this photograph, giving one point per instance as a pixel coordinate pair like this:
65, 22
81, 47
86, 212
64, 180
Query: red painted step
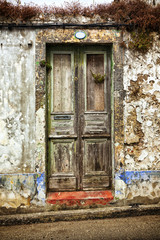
81, 198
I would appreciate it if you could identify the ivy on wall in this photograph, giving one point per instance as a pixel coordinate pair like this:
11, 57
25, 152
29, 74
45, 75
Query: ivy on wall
141, 41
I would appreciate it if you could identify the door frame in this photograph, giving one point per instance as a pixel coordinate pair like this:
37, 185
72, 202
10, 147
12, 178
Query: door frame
74, 92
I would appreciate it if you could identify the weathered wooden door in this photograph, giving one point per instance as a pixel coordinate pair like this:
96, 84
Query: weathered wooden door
79, 129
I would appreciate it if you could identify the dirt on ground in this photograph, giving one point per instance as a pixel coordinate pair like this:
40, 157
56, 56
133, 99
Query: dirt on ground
137, 228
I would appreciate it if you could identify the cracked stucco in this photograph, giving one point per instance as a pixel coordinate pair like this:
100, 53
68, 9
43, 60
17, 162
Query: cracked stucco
136, 107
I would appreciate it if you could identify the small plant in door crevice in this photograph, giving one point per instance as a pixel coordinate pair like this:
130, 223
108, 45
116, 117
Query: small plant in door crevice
98, 78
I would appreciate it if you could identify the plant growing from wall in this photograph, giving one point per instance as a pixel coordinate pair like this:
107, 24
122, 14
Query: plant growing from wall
141, 41
44, 63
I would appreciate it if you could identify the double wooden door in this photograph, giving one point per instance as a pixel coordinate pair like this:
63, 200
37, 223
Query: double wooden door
79, 126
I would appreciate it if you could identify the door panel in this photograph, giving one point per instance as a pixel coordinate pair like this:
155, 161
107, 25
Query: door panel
62, 83
58, 184
62, 157
96, 159
95, 91
62, 166
96, 123
61, 125
96, 156
79, 118
95, 182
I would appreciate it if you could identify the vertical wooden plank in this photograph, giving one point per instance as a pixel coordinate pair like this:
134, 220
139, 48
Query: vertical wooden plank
95, 91
57, 83
109, 89
90, 156
66, 83
99, 97
62, 83
107, 165
90, 82
100, 165
80, 111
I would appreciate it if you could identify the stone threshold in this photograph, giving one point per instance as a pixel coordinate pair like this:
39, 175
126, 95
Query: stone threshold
80, 198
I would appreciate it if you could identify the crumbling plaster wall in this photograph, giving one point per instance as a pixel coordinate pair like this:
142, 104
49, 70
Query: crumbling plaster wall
135, 118
19, 184
17, 138
142, 109
139, 178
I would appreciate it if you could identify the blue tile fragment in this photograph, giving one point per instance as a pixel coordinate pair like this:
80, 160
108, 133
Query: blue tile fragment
131, 177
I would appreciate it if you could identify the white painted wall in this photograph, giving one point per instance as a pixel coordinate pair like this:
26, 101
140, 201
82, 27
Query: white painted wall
17, 101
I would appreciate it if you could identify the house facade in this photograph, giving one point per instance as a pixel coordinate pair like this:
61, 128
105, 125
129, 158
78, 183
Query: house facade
79, 112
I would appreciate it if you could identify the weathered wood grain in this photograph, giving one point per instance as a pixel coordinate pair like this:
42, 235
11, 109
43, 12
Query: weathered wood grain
62, 156
95, 182
62, 127
94, 123
95, 91
80, 141
62, 184
62, 83
95, 156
